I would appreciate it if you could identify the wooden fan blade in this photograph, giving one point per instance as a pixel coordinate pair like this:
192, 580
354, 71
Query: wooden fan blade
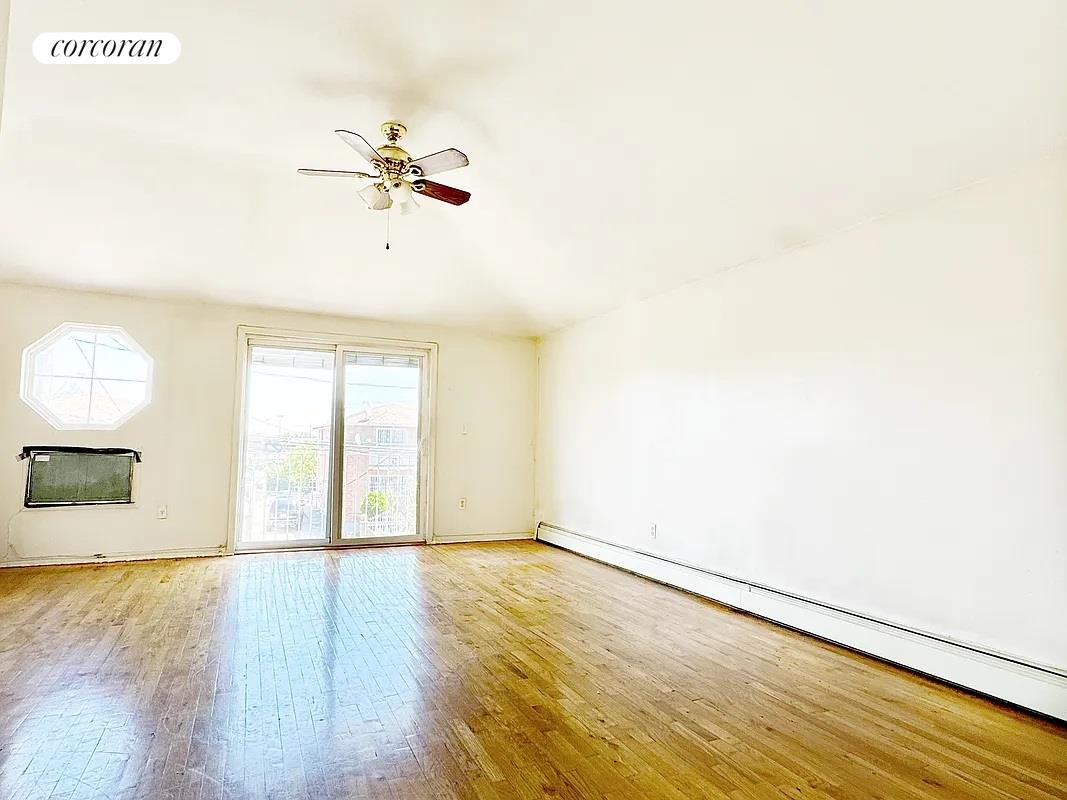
438, 191
438, 162
334, 173
361, 146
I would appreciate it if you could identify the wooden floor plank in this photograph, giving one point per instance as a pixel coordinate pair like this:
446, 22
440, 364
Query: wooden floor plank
510, 670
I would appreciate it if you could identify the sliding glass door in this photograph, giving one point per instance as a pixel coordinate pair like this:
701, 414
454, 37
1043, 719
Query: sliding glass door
288, 427
380, 468
332, 445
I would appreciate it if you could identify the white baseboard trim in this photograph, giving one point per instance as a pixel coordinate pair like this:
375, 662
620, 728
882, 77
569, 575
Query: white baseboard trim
1038, 687
148, 555
457, 538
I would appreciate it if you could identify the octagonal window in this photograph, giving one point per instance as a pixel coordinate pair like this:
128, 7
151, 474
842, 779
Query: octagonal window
91, 377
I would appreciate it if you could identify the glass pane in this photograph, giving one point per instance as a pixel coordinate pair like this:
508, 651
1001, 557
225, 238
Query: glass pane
381, 448
70, 356
113, 400
288, 424
66, 398
116, 361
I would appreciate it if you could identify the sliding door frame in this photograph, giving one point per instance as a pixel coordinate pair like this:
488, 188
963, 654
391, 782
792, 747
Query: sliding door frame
341, 345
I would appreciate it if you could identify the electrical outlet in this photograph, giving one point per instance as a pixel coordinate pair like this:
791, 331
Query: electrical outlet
463, 504
652, 531
161, 512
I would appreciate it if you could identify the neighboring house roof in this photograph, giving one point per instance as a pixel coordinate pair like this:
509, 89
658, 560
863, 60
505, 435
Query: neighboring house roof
395, 415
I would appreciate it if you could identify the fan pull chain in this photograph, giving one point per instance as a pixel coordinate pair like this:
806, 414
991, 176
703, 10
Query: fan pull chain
388, 211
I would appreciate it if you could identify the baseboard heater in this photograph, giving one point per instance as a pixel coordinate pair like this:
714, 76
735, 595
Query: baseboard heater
1038, 687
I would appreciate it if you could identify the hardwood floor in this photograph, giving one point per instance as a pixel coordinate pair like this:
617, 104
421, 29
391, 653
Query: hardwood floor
463, 671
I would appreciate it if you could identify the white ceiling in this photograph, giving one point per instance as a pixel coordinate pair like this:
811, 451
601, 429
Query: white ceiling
617, 149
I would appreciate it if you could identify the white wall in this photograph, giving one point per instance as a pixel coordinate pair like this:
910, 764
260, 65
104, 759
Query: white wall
877, 421
484, 382
5, 17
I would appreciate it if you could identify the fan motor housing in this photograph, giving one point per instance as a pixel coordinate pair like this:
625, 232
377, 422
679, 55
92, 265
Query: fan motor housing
392, 152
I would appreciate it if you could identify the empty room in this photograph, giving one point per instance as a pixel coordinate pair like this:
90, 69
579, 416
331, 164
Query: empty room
508, 400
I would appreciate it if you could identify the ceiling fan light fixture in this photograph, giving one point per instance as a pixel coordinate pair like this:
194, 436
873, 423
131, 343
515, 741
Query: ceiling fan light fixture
401, 193
375, 198
369, 194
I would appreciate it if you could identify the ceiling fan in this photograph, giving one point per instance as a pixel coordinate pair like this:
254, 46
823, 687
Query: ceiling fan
398, 178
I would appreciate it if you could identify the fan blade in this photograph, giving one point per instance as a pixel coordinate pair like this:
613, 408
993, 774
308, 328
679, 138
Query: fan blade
361, 146
334, 173
438, 162
438, 191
